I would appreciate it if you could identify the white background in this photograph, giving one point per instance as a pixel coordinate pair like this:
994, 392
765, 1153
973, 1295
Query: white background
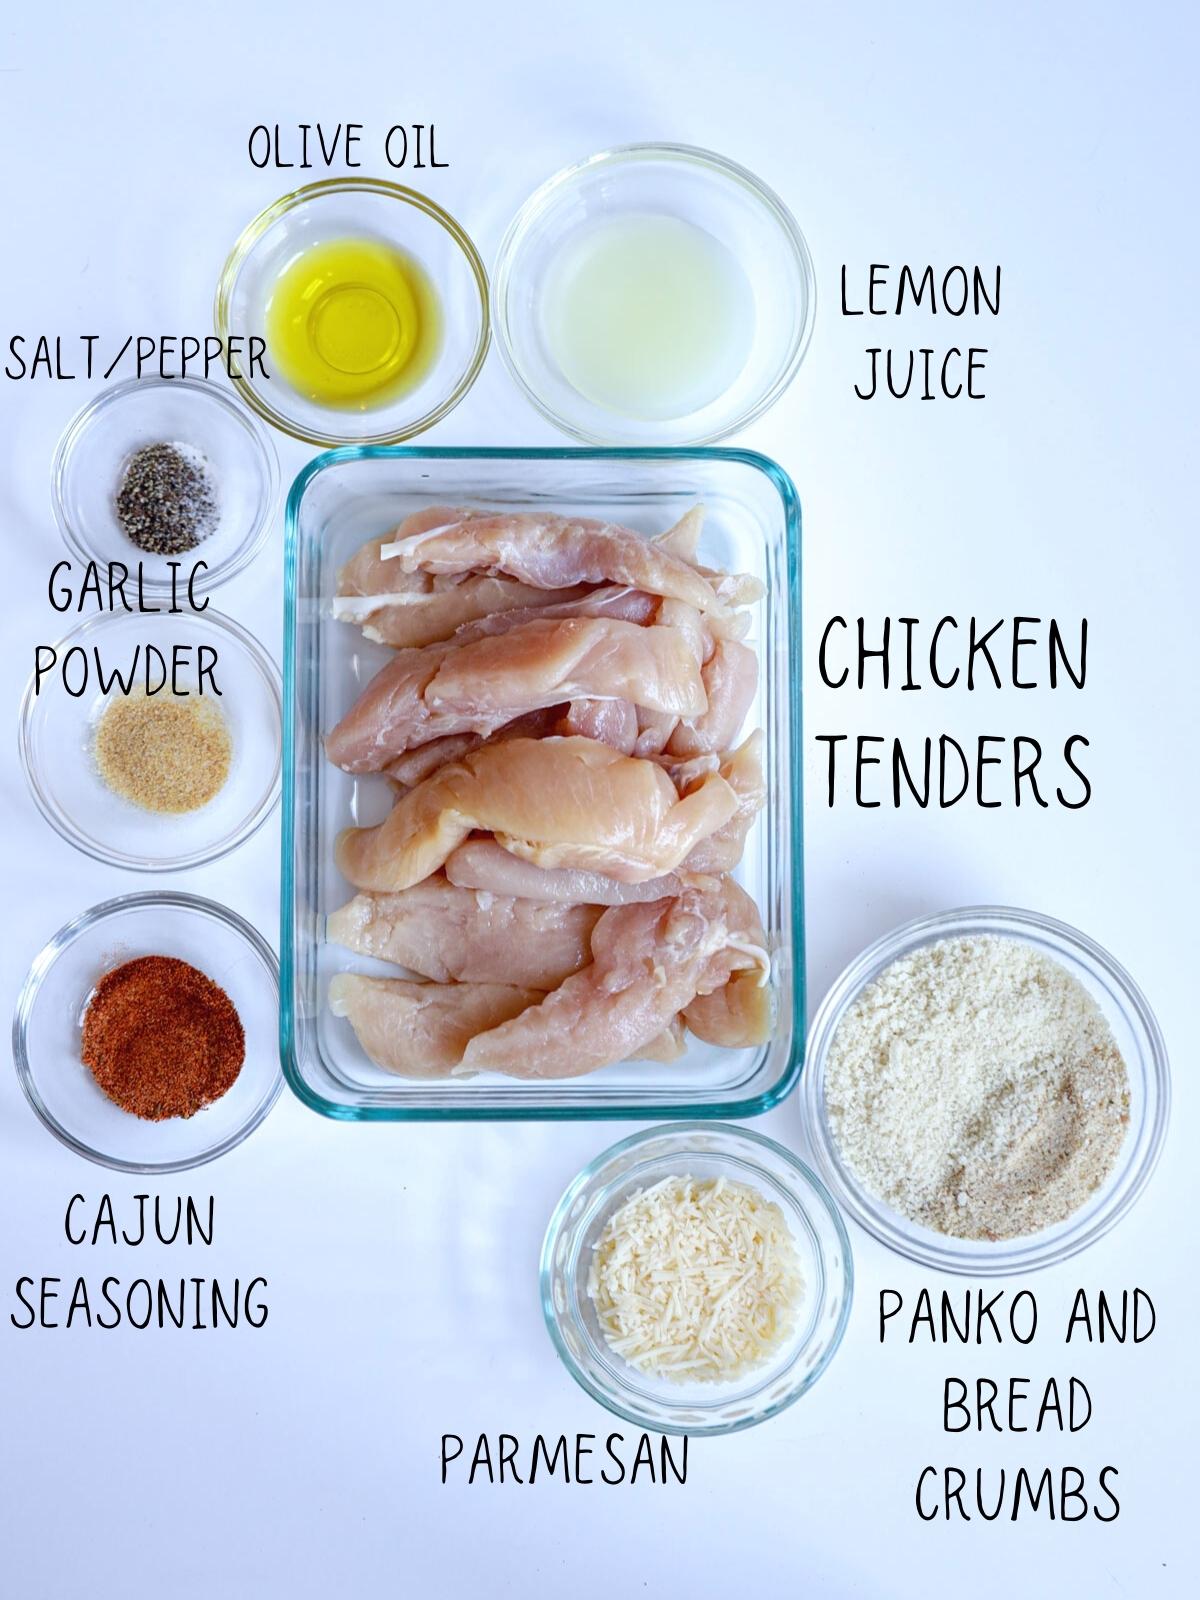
302, 1459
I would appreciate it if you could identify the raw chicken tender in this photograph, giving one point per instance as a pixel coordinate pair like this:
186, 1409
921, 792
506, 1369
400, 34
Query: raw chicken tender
654, 730
729, 672
420, 1030
450, 688
455, 935
730, 682
721, 850
552, 552
738, 1012
414, 609
423, 760
621, 604
391, 714
367, 574
559, 802
482, 864
682, 539
415, 765
734, 588
556, 659
737, 1015
648, 963
612, 722
670, 1045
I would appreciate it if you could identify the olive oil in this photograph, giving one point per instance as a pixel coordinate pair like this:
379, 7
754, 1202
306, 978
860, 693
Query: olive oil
353, 324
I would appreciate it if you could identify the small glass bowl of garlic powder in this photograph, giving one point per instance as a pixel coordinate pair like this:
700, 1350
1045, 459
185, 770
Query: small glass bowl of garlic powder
696, 1278
987, 1090
148, 768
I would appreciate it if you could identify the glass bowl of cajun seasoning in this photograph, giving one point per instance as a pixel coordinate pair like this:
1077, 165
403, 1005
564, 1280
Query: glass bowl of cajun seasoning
145, 1035
158, 471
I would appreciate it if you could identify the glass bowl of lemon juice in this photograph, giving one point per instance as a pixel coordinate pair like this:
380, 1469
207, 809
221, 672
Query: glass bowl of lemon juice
653, 294
372, 305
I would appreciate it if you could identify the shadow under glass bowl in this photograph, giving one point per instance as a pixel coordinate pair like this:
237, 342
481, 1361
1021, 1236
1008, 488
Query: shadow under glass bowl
358, 208
1137, 1036
48, 1022
58, 730
700, 1150
717, 196
96, 446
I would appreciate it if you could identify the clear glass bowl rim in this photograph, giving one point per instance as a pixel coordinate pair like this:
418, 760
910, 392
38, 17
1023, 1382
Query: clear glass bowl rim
253, 232
717, 1111
643, 1136
46, 958
198, 858
1031, 1252
251, 544
617, 155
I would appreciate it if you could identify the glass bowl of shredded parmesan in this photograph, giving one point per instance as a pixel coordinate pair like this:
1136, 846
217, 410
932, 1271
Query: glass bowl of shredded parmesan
696, 1278
987, 1090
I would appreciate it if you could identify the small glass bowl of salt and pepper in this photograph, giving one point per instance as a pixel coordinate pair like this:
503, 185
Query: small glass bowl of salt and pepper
165, 470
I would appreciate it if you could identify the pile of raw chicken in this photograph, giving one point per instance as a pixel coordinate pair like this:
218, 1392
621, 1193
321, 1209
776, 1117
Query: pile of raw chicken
559, 719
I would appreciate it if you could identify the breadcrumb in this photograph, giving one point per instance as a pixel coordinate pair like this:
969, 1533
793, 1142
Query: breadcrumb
976, 1087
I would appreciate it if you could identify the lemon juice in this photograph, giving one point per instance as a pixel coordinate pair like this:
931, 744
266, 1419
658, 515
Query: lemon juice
353, 323
648, 315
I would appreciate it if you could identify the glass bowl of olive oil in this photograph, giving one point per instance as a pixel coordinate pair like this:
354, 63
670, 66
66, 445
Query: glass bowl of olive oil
654, 294
371, 303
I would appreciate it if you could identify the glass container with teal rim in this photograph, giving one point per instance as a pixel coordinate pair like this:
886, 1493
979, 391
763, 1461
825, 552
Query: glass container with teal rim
348, 496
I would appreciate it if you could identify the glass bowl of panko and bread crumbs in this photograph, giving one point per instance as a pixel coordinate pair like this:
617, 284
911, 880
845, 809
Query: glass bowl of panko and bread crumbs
153, 741
987, 1090
696, 1278
145, 1033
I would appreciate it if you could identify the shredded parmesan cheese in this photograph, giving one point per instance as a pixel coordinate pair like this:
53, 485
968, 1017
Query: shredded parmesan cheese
696, 1280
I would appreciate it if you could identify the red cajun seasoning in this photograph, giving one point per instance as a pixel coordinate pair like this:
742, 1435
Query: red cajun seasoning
161, 1039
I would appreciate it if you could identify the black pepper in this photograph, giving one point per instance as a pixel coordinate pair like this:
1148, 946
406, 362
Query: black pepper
166, 503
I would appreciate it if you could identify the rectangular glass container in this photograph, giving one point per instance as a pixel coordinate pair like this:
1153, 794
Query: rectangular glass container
344, 498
